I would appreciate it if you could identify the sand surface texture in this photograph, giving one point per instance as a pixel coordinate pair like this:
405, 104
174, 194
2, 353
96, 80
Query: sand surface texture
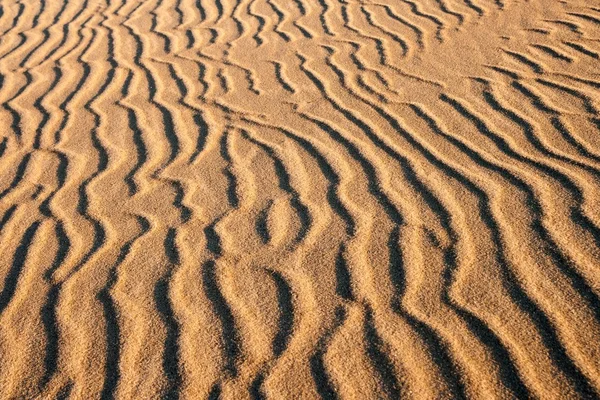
291, 199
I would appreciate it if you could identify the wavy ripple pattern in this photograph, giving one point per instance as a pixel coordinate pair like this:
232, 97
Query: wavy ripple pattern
331, 199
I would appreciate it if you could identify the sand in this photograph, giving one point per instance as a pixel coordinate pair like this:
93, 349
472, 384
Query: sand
299, 199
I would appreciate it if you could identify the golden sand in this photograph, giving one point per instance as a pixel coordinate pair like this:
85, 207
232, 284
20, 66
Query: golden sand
299, 199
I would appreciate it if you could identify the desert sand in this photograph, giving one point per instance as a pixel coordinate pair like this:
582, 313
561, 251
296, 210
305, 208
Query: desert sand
269, 199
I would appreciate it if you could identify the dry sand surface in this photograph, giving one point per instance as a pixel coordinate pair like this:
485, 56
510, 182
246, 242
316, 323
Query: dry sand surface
294, 199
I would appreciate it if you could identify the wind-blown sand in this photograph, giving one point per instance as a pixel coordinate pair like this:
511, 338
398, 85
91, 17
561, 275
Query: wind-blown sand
299, 199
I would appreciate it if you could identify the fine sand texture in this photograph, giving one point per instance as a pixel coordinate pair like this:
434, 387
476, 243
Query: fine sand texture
299, 199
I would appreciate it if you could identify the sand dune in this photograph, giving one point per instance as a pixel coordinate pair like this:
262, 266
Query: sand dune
299, 199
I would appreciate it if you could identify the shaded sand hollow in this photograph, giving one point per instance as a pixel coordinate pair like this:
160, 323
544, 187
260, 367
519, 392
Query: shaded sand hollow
294, 199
